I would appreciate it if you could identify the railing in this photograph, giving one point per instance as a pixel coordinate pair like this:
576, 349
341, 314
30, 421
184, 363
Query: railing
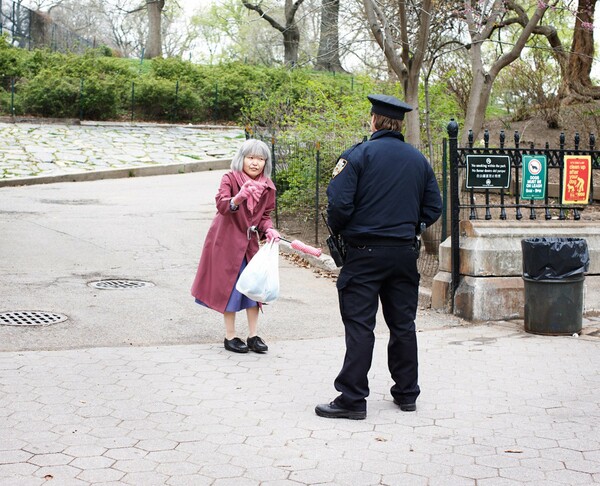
29, 29
518, 182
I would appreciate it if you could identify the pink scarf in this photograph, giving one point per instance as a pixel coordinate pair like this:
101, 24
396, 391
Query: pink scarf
261, 182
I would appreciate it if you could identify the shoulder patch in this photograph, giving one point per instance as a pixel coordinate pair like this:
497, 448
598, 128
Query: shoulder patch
339, 167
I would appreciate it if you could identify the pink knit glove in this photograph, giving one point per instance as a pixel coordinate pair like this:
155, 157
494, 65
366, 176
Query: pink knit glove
245, 192
272, 234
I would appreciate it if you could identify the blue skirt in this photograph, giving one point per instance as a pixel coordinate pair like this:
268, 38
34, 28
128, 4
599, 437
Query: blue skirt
237, 301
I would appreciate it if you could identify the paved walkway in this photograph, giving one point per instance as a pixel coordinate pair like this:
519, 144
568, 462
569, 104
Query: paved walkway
34, 153
498, 408
135, 388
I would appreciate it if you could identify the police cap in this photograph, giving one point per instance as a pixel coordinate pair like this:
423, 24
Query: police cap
389, 106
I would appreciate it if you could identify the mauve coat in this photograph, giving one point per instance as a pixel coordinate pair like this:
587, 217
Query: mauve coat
227, 243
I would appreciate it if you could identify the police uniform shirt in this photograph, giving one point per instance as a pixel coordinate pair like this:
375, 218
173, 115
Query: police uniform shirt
383, 187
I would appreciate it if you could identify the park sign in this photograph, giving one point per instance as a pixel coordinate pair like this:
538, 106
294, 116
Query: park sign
576, 179
488, 171
533, 184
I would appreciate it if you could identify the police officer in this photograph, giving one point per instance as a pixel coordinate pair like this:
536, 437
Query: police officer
381, 191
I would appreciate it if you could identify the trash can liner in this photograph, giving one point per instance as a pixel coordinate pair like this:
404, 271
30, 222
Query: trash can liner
553, 258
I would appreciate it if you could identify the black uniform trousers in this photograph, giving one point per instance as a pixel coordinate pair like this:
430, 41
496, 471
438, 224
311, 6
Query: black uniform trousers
370, 274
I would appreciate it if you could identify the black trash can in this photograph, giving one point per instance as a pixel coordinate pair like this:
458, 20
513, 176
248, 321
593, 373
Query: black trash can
554, 273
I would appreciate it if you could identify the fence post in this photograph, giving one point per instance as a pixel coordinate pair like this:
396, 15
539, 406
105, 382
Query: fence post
12, 96
318, 180
274, 174
132, 98
216, 102
445, 189
455, 209
174, 116
81, 100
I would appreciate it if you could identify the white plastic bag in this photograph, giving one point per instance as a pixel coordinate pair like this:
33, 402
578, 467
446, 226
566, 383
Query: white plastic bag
260, 279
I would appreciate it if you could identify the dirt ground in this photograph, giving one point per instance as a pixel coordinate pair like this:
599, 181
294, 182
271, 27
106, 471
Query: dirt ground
583, 119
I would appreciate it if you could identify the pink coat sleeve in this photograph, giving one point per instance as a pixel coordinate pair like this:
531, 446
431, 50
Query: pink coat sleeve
225, 193
265, 220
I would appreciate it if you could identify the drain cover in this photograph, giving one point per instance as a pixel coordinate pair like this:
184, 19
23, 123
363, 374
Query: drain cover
115, 284
30, 318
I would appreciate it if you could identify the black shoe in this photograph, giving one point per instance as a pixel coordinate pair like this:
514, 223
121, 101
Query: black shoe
236, 345
406, 407
331, 410
257, 345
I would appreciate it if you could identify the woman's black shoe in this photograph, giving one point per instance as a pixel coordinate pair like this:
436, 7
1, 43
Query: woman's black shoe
236, 345
257, 345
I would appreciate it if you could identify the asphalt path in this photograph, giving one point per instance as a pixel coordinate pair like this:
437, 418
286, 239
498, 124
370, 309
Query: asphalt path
56, 239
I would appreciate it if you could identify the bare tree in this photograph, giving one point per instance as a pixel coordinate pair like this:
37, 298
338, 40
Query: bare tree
289, 30
403, 40
482, 22
328, 57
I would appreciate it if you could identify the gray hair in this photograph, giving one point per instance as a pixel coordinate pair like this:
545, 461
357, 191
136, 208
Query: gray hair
252, 147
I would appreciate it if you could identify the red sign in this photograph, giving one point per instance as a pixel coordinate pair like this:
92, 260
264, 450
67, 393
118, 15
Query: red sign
576, 179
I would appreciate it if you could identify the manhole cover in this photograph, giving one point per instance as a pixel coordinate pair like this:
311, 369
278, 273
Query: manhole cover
116, 284
30, 318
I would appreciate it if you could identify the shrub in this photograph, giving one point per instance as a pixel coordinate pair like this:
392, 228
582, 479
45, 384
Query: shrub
50, 96
229, 86
173, 69
157, 99
99, 99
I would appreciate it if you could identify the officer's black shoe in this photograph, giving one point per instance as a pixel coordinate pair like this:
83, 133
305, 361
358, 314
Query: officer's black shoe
257, 345
406, 407
236, 345
331, 410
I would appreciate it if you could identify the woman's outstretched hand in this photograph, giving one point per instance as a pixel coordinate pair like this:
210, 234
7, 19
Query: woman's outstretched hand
272, 234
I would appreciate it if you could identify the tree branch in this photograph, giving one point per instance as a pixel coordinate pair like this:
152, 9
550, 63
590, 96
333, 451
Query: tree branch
264, 15
380, 29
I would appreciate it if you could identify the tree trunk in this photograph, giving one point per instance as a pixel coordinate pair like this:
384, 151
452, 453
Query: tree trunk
576, 82
154, 41
291, 44
290, 31
412, 131
408, 63
483, 80
328, 57
582, 48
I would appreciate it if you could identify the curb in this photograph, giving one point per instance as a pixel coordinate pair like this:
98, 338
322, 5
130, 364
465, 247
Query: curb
94, 175
326, 263
96, 123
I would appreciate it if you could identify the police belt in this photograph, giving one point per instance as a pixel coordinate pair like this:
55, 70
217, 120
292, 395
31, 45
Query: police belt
378, 241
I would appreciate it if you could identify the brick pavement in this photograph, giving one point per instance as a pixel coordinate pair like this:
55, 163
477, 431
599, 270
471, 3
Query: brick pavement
498, 407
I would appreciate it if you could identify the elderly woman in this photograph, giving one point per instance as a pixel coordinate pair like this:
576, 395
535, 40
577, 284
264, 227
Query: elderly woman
245, 198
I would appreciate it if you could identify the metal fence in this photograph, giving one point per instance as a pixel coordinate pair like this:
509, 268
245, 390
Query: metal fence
29, 29
94, 99
519, 183
302, 171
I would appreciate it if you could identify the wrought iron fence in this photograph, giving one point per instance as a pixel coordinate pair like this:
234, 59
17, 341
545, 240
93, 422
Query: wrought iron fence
29, 29
302, 171
519, 183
